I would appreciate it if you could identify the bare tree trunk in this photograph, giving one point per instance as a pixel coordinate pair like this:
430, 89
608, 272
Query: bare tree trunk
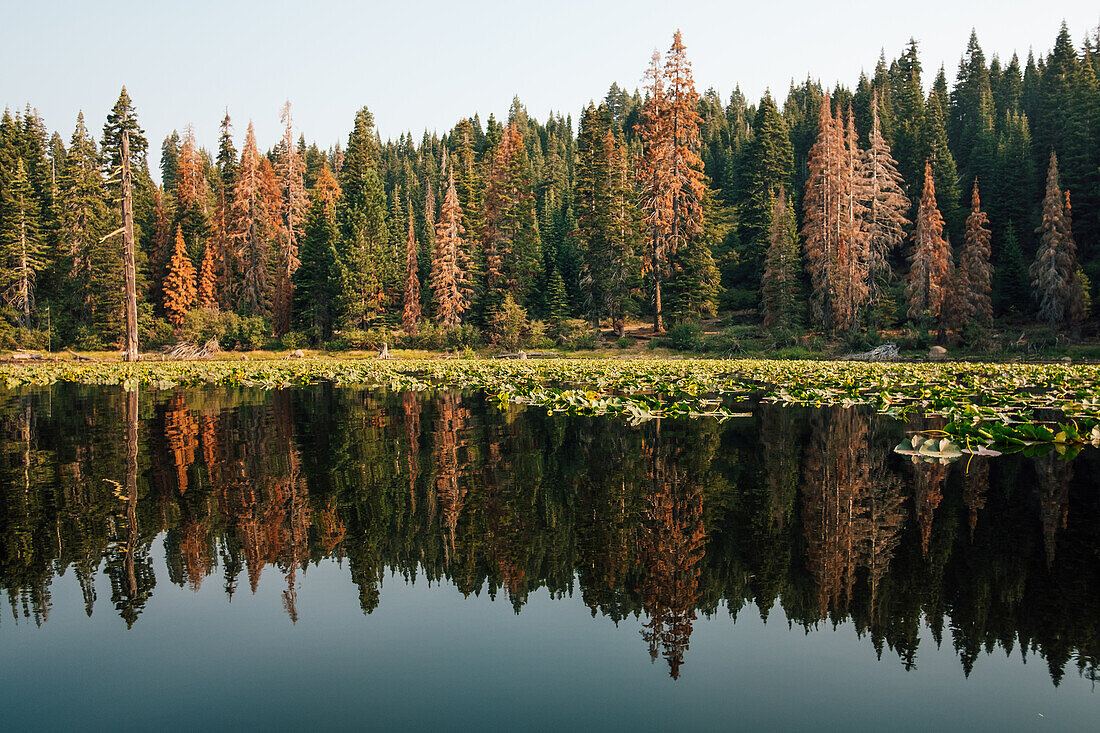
129, 276
132, 537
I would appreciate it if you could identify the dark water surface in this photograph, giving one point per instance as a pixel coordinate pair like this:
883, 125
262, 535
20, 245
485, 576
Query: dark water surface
322, 557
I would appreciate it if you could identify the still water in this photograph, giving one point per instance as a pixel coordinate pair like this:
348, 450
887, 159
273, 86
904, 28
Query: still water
323, 557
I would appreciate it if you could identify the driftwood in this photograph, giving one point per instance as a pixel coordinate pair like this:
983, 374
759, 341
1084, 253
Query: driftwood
78, 357
384, 352
886, 352
186, 351
26, 356
526, 355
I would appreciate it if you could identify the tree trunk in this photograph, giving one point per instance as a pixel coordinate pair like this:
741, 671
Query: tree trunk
129, 275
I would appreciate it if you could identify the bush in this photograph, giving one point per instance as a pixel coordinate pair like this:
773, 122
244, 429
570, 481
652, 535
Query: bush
153, 332
356, 339
578, 335
203, 324
294, 340
85, 339
683, 337
252, 333
624, 342
538, 335
741, 299
507, 324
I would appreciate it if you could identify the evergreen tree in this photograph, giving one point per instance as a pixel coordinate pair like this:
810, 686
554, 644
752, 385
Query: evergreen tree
169, 161
930, 260
292, 209
907, 95
607, 221
410, 315
316, 283
769, 164
884, 204
179, 285
227, 155
654, 183
938, 153
557, 302
90, 311
1012, 285
369, 271
22, 249
781, 284
1055, 277
254, 212
974, 276
450, 262
207, 296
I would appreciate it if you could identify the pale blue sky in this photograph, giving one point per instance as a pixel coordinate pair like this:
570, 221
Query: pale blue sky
424, 65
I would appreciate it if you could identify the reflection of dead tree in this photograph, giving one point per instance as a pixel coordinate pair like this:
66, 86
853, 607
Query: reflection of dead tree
410, 401
1055, 474
928, 491
332, 528
671, 549
181, 436
853, 510
975, 489
266, 496
449, 436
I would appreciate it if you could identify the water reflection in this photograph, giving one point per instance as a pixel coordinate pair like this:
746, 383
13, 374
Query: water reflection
655, 525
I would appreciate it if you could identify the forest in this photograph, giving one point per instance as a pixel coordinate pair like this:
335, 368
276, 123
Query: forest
945, 210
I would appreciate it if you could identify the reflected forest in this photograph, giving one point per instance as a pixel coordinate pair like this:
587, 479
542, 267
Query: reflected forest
810, 511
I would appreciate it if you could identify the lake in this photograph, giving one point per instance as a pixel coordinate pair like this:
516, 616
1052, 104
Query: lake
328, 557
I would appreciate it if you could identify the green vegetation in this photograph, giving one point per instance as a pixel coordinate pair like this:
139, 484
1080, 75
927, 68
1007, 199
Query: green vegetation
981, 404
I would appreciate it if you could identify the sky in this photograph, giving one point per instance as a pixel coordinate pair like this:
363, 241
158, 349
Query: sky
425, 65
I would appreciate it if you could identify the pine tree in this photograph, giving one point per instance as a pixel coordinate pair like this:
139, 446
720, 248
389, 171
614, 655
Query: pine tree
907, 96
22, 249
316, 283
938, 153
1054, 273
254, 215
557, 302
837, 248
169, 161
179, 285
450, 263
930, 260
974, 276
769, 164
655, 184
1012, 284
693, 278
510, 238
90, 268
607, 219
670, 168
292, 209
227, 155
781, 286
884, 204
369, 270
191, 195
208, 279
410, 315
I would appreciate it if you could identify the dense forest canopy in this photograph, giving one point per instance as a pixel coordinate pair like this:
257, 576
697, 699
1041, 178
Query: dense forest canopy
904, 201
